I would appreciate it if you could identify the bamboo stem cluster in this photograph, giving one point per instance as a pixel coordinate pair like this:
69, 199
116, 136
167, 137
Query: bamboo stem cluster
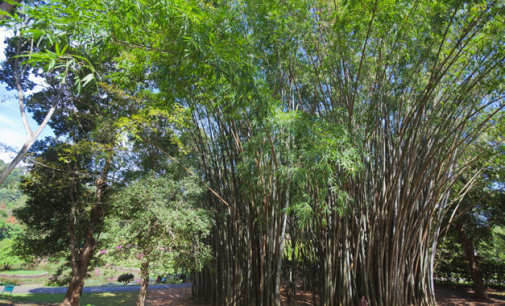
337, 166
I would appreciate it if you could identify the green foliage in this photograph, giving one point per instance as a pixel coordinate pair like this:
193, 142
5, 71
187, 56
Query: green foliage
158, 219
7, 67
11, 198
479, 209
9, 227
8, 258
61, 194
498, 243
4, 283
47, 210
349, 118
14, 178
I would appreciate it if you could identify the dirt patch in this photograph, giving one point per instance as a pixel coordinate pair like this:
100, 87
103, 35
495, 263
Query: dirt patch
303, 298
169, 297
178, 297
463, 296
445, 295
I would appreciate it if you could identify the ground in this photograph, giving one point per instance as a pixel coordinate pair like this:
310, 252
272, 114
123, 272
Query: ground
463, 296
96, 299
446, 296
170, 297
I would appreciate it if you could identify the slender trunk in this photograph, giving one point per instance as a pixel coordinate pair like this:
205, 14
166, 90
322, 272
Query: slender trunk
280, 251
145, 283
19, 157
71, 231
471, 262
31, 136
73, 294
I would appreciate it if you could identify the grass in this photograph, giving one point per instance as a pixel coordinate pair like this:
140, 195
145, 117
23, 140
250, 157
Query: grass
22, 272
103, 276
96, 299
48, 267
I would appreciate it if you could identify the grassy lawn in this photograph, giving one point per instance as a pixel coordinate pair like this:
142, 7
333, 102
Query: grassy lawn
96, 299
22, 272
50, 268
98, 276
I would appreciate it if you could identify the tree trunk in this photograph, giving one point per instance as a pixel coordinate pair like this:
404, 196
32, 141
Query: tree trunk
74, 290
32, 136
145, 283
471, 263
6, 7
70, 290
19, 157
73, 295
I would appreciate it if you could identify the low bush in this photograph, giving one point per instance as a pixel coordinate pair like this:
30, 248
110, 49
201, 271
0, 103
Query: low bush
125, 278
4, 283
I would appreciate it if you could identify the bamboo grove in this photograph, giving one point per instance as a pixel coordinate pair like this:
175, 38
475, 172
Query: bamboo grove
327, 133
345, 173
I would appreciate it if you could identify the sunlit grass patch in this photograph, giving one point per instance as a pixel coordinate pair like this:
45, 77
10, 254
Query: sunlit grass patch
96, 299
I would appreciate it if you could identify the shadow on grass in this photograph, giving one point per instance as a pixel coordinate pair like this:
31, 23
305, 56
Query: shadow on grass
496, 296
95, 299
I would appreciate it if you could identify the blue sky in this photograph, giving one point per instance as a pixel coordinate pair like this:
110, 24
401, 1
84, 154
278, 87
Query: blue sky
12, 132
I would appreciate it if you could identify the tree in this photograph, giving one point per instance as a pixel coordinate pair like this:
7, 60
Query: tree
10, 199
69, 184
399, 85
157, 222
67, 199
383, 83
480, 208
15, 72
23, 60
349, 117
8, 258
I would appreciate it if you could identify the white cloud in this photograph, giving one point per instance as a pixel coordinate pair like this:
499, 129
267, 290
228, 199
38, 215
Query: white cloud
4, 33
9, 121
7, 157
12, 138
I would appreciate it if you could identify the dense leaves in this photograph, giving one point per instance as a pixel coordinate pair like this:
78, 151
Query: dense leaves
11, 198
344, 128
159, 219
7, 255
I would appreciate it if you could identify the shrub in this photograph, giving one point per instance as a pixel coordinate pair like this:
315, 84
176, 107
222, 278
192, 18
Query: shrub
4, 283
125, 278
57, 280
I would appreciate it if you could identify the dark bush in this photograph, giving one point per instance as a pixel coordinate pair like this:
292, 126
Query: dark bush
125, 278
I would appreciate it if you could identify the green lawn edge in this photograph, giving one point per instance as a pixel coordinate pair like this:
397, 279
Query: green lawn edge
95, 299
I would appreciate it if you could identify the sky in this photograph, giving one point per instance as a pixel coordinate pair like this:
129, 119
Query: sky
12, 132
